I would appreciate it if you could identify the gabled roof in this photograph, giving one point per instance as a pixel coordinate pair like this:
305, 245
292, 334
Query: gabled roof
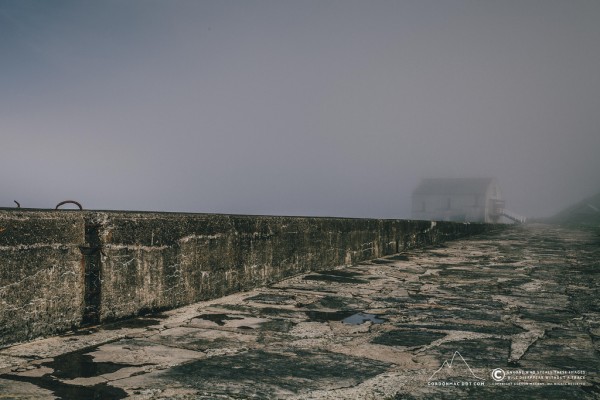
454, 186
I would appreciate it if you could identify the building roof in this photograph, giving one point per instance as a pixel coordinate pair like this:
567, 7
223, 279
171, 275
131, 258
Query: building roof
454, 186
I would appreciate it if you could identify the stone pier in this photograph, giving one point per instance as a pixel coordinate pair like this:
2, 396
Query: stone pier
510, 315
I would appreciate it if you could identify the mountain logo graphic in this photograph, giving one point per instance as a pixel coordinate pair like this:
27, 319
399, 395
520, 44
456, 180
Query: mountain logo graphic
452, 368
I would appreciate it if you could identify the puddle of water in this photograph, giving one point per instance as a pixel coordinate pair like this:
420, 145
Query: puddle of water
326, 316
65, 391
218, 319
349, 317
361, 318
73, 365
79, 365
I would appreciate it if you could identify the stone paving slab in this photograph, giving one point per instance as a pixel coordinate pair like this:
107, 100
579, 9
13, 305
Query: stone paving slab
510, 315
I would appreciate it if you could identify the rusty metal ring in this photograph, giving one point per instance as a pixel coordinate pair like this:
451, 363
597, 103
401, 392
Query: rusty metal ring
67, 202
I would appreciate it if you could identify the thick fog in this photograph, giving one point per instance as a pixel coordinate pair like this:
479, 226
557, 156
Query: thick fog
333, 108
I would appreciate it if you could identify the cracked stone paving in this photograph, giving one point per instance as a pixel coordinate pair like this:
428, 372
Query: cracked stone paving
514, 314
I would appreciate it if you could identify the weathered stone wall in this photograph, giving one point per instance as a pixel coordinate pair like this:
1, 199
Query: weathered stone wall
61, 269
41, 274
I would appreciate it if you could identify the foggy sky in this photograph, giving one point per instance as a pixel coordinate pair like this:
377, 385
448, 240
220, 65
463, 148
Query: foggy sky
333, 108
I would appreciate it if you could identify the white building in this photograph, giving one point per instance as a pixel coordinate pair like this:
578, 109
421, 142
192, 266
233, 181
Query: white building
458, 199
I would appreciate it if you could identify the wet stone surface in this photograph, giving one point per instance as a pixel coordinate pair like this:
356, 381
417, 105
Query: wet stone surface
429, 323
407, 338
219, 319
328, 316
275, 374
60, 390
269, 298
331, 277
80, 364
361, 318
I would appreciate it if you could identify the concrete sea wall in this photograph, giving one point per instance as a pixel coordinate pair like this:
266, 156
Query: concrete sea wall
60, 270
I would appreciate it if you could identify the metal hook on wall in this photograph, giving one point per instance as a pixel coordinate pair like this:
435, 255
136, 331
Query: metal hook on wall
69, 202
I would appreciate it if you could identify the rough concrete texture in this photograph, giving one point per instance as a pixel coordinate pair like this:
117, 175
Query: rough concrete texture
160, 261
65, 269
41, 275
427, 323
